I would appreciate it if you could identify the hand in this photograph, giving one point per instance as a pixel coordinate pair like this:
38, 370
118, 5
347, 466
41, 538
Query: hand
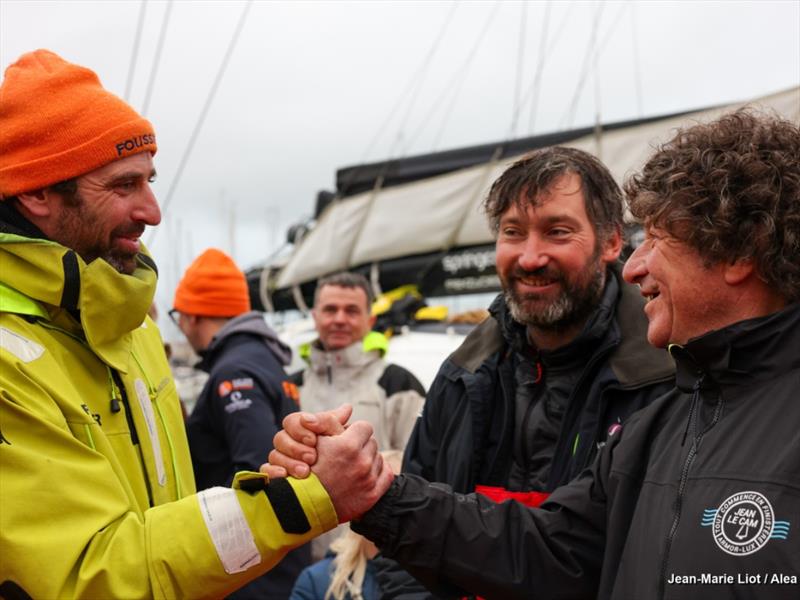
352, 470
295, 446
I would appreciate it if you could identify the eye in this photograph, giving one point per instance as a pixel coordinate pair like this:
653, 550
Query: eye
558, 232
152, 178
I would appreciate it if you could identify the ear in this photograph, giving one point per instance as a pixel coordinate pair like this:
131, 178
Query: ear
37, 204
372, 319
611, 247
738, 271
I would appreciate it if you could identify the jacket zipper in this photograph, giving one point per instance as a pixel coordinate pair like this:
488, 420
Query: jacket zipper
590, 367
687, 465
132, 427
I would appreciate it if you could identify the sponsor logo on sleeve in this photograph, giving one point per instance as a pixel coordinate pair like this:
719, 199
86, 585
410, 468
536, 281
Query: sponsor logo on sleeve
291, 391
228, 386
237, 403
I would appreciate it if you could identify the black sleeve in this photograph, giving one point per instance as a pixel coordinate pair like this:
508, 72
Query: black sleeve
297, 377
397, 584
397, 379
247, 418
495, 550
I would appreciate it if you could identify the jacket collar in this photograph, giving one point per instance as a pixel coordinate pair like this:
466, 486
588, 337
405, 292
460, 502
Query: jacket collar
744, 352
252, 324
353, 356
634, 361
92, 301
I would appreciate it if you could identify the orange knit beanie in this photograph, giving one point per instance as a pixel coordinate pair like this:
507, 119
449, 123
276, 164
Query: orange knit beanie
57, 122
213, 286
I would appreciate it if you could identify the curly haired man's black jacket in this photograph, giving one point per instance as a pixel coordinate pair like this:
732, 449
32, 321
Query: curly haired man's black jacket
697, 496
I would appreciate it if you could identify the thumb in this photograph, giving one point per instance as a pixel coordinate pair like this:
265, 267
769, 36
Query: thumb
330, 422
343, 413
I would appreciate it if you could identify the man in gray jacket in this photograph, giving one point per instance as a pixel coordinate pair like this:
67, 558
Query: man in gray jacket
345, 364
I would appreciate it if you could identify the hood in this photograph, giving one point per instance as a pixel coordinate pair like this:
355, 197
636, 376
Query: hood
252, 323
93, 301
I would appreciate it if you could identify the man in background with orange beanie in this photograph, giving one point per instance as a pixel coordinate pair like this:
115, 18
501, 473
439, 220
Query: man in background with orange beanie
242, 404
97, 496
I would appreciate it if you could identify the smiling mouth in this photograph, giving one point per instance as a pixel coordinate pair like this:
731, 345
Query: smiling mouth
536, 281
650, 297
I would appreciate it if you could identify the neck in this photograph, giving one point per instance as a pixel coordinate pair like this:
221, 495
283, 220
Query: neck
209, 327
550, 339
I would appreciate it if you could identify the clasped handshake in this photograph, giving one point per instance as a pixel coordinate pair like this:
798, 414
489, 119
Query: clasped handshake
344, 458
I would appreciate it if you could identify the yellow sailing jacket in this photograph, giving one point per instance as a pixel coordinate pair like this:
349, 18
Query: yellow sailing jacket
97, 496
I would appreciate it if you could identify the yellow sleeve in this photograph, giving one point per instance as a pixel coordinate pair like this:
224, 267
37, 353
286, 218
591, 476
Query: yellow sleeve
215, 541
70, 526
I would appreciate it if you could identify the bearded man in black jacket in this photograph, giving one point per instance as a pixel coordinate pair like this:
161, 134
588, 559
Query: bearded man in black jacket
697, 495
524, 404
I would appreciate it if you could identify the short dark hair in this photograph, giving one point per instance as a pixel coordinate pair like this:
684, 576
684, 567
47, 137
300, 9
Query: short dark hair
345, 279
729, 189
67, 188
535, 172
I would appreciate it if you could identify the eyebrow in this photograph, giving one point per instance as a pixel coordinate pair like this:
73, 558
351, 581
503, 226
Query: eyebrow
130, 175
549, 220
562, 218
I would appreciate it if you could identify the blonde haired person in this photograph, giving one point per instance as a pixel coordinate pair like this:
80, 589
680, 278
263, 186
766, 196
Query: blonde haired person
346, 573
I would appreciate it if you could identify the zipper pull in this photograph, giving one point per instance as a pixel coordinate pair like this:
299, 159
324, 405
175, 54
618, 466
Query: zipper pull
115, 408
539, 372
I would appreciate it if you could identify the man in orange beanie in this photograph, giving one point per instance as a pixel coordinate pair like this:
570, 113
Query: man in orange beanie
98, 495
246, 397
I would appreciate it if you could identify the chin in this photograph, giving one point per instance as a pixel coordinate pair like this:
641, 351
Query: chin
658, 340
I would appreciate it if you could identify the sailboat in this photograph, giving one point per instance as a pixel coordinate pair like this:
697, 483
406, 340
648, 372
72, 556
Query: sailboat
416, 223
417, 220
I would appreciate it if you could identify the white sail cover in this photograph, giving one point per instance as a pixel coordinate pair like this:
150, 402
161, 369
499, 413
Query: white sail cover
444, 212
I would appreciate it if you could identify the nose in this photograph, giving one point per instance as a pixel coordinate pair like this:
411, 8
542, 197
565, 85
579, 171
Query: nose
532, 256
147, 210
636, 266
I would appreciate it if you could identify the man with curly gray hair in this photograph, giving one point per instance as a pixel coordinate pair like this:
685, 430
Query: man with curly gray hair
695, 496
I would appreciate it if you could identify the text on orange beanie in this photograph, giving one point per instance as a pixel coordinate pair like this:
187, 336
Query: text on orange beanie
212, 286
57, 122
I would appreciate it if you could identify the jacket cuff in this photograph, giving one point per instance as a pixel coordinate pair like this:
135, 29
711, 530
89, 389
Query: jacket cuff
300, 505
379, 523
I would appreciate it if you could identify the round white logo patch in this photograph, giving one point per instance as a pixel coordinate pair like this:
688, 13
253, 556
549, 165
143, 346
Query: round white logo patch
743, 523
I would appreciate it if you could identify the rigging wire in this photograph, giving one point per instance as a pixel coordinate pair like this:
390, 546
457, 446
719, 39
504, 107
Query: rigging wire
520, 60
424, 72
535, 84
537, 78
569, 115
637, 73
412, 84
209, 99
614, 23
455, 83
135, 51
157, 58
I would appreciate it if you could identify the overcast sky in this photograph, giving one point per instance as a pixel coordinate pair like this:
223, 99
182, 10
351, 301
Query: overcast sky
314, 86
